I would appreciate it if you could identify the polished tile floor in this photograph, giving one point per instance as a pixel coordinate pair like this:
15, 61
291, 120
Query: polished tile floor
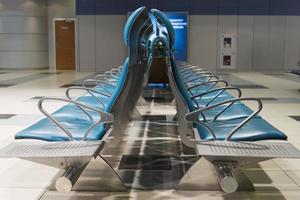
150, 157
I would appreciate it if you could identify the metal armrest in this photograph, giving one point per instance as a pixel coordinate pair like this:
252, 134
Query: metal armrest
208, 82
185, 67
104, 117
218, 89
89, 90
202, 77
196, 73
98, 82
188, 70
194, 116
85, 83
189, 67
115, 70
106, 76
193, 71
113, 73
222, 89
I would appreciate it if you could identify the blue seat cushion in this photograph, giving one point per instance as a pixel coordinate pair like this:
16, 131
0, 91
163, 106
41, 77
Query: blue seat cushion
74, 112
235, 111
105, 88
256, 129
90, 100
46, 130
202, 102
211, 94
72, 118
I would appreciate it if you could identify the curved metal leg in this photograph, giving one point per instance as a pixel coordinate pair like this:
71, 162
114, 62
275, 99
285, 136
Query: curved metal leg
245, 184
175, 117
173, 103
205, 176
99, 175
141, 102
200, 177
135, 114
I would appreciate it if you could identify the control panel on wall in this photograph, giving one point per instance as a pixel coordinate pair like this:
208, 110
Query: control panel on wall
228, 51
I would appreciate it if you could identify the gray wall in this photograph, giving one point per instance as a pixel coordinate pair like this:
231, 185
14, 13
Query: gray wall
23, 34
58, 9
264, 43
100, 39
26, 38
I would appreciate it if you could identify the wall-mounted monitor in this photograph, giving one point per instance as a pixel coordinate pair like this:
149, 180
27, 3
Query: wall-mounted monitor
179, 21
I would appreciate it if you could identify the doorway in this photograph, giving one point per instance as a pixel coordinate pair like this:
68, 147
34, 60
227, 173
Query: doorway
65, 44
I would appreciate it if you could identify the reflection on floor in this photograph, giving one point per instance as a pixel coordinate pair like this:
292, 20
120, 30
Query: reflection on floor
150, 157
235, 81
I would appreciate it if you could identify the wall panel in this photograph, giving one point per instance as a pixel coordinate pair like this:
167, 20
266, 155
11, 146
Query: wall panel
203, 41
23, 25
266, 38
132, 4
23, 34
24, 60
292, 42
261, 43
174, 5
23, 42
245, 43
86, 43
276, 45
23, 8
110, 48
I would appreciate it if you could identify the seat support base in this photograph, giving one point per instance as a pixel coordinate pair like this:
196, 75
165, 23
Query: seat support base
98, 175
196, 180
224, 159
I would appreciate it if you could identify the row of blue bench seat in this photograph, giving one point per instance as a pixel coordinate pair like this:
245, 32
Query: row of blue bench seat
218, 111
74, 117
86, 117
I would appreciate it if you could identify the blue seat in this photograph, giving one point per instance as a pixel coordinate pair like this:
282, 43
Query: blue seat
235, 111
204, 105
72, 118
46, 130
256, 129
203, 102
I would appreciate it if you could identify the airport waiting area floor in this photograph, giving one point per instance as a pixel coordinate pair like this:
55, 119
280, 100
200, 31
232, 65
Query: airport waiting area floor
150, 158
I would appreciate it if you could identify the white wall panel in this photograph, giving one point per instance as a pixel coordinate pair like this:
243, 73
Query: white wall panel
23, 42
292, 42
23, 25
23, 34
87, 42
245, 43
277, 42
261, 43
21, 60
23, 8
110, 48
202, 45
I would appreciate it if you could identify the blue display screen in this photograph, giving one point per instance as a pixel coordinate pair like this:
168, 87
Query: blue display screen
179, 21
